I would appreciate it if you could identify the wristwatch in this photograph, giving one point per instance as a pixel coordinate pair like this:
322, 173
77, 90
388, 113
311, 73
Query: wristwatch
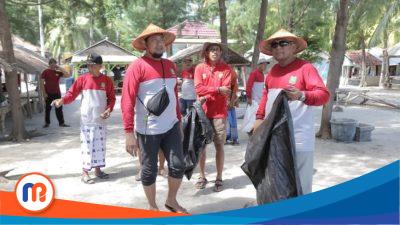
302, 96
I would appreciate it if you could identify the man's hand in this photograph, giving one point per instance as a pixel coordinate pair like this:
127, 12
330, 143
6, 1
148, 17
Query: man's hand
224, 90
202, 99
249, 101
105, 114
131, 144
257, 124
293, 93
58, 102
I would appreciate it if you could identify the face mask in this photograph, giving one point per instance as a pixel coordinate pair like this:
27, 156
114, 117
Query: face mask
156, 55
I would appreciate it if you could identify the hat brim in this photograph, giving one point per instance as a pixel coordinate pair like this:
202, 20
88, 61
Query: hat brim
140, 44
265, 45
206, 45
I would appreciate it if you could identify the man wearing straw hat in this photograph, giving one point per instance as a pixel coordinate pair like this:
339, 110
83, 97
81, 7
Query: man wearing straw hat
212, 80
150, 107
304, 88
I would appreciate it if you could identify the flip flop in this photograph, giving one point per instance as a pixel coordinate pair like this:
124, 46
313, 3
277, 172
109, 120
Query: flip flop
218, 185
201, 183
102, 175
174, 210
87, 179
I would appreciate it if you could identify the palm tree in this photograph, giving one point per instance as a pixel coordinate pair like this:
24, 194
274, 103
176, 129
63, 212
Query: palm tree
335, 66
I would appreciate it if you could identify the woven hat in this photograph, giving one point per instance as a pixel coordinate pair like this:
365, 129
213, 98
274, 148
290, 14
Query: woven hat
139, 42
265, 45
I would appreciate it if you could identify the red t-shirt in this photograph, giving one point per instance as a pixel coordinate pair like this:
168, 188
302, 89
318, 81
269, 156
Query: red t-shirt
207, 80
52, 81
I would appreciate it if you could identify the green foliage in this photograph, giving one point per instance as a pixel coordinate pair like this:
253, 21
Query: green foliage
68, 23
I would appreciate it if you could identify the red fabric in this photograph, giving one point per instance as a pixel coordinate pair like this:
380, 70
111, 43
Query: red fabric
207, 80
141, 70
188, 73
89, 82
255, 76
308, 81
51, 81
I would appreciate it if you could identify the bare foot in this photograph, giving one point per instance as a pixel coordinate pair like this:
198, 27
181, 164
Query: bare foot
154, 208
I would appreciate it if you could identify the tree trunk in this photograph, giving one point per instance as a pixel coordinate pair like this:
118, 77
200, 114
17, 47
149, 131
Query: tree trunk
385, 61
260, 33
335, 66
363, 82
223, 28
18, 127
91, 28
41, 32
290, 22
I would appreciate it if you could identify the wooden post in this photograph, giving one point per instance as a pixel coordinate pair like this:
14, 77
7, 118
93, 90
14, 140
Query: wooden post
28, 99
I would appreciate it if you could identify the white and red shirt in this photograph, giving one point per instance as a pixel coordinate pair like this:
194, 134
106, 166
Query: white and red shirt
144, 79
255, 85
302, 75
188, 91
97, 96
207, 80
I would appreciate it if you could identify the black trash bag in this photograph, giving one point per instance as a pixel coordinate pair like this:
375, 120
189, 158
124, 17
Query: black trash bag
270, 156
197, 132
158, 103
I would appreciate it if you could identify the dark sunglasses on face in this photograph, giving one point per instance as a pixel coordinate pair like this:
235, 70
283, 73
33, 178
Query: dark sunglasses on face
282, 43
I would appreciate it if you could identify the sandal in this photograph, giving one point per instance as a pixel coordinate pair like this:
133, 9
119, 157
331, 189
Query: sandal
201, 183
87, 179
174, 210
218, 185
102, 175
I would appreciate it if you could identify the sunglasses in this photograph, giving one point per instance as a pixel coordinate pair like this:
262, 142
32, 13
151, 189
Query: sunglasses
282, 43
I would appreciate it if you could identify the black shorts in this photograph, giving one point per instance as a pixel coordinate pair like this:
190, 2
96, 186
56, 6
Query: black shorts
171, 145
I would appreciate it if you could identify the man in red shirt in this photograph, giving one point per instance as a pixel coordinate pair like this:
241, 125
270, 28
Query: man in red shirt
98, 99
188, 92
254, 89
156, 127
255, 83
50, 83
212, 80
304, 88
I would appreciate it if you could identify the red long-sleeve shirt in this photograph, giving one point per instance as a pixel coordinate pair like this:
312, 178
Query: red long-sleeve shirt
207, 80
303, 76
143, 79
97, 96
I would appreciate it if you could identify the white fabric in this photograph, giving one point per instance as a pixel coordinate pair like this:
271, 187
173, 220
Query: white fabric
188, 91
155, 124
303, 121
257, 91
93, 146
93, 103
250, 117
305, 168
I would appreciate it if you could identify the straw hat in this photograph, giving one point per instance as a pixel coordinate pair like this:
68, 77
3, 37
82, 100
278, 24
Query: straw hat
139, 42
208, 44
265, 45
